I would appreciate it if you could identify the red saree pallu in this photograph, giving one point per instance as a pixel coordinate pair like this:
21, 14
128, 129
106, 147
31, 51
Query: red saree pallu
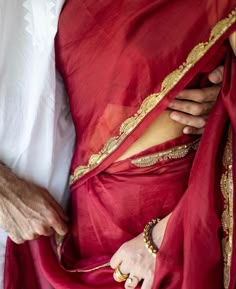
122, 63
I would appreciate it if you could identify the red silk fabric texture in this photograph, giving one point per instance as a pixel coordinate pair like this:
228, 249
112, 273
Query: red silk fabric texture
112, 55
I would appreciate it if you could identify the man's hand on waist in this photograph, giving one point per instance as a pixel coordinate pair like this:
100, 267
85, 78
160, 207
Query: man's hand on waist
191, 107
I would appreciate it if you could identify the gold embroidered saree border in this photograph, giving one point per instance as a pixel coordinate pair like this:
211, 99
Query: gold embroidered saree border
227, 215
173, 153
152, 100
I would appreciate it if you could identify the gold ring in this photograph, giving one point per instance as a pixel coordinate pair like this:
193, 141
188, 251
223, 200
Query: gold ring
119, 276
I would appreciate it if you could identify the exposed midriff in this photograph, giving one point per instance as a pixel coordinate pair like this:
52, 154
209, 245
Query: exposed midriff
162, 129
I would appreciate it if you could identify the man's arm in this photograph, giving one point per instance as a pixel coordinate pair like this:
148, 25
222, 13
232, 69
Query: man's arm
28, 211
192, 106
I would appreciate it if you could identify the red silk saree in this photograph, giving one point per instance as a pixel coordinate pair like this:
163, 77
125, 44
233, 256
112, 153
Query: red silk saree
122, 63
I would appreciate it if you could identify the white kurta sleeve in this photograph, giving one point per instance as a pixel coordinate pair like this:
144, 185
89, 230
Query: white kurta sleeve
36, 130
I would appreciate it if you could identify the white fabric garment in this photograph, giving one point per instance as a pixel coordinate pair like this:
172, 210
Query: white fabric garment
36, 131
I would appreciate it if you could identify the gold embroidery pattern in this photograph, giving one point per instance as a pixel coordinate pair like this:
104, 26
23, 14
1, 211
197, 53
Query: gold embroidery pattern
59, 241
173, 153
227, 215
152, 100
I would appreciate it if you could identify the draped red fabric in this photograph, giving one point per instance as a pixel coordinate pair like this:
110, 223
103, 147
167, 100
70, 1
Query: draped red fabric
191, 254
122, 63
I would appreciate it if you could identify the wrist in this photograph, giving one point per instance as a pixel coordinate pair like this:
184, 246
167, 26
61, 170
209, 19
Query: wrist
159, 231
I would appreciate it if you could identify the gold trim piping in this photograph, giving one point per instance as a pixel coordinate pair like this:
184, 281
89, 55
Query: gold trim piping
227, 215
94, 269
152, 100
173, 153
59, 241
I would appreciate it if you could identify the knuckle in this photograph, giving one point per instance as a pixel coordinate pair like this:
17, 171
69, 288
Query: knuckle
16, 239
198, 123
52, 219
44, 230
201, 95
186, 120
124, 247
132, 261
196, 109
150, 271
41, 229
28, 236
139, 257
206, 109
112, 263
201, 123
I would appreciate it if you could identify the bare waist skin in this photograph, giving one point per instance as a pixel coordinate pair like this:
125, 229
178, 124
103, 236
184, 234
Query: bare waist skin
161, 130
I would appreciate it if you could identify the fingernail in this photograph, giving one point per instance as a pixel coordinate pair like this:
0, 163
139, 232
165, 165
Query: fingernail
187, 130
174, 116
216, 77
171, 105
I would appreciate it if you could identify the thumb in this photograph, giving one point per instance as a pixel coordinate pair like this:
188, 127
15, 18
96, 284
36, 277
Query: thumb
216, 76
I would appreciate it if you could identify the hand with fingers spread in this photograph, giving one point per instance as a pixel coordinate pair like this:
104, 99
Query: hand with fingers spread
133, 263
192, 106
26, 210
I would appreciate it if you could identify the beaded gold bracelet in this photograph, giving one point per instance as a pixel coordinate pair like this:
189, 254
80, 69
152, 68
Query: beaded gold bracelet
147, 236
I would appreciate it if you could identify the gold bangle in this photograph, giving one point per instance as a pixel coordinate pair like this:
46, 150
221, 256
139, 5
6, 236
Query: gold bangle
147, 236
119, 276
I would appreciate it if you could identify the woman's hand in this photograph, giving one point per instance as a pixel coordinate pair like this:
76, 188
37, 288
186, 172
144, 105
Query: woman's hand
192, 106
28, 211
133, 258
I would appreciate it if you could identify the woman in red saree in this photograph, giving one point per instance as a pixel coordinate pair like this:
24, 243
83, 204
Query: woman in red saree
120, 79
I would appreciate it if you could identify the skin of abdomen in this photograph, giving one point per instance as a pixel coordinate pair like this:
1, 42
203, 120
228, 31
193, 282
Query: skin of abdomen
161, 130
